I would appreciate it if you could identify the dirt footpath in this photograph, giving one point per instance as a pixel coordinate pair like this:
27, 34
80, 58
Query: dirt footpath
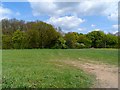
106, 75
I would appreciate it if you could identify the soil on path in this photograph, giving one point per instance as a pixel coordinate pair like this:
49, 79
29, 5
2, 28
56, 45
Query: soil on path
106, 75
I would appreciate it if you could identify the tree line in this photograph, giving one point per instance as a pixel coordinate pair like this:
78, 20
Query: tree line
19, 34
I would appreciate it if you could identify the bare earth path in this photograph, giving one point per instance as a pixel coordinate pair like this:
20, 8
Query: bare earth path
106, 75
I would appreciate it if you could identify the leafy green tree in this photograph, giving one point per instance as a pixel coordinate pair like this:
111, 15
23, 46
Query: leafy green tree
6, 41
9, 26
83, 41
97, 38
71, 39
32, 39
47, 35
19, 40
60, 43
37, 34
111, 41
42, 35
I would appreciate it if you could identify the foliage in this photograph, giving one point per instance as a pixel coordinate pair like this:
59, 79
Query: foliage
19, 34
19, 40
111, 41
6, 42
60, 44
71, 39
84, 42
98, 39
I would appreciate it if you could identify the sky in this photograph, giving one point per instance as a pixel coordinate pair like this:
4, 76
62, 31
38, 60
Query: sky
82, 17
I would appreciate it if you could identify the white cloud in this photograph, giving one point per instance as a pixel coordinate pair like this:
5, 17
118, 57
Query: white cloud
114, 32
93, 25
18, 13
43, 8
7, 13
67, 23
4, 12
97, 29
59, 12
106, 8
115, 26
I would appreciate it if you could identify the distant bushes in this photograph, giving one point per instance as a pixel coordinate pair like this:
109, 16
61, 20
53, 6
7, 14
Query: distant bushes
18, 34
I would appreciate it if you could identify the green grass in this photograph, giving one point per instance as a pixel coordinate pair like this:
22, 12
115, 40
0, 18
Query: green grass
36, 67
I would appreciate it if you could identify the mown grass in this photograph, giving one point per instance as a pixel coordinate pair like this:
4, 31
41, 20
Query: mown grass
36, 68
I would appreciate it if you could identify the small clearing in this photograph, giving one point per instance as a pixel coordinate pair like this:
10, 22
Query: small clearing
106, 75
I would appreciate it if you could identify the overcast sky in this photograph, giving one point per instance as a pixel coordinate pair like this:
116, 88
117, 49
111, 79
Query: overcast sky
82, 17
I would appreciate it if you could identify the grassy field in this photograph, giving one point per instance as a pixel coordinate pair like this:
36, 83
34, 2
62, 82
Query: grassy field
37, 67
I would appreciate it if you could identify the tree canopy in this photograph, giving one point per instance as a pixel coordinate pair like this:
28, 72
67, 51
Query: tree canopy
19, 34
